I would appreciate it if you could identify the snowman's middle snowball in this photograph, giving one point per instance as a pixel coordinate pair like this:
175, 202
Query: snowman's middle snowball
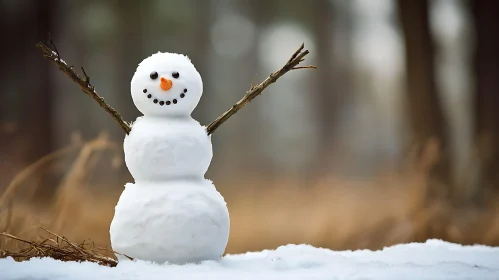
167, 149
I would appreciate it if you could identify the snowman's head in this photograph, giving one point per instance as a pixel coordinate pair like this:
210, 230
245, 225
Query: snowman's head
166, 84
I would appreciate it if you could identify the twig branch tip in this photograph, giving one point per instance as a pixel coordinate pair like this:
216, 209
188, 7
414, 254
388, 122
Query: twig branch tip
84, 83
291, 64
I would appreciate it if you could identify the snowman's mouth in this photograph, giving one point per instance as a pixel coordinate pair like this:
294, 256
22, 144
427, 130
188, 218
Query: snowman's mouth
162, 102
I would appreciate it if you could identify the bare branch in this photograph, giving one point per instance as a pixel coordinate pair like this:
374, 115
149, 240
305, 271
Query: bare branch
304, 67
87, 78
254, 91
51, 42
84, 84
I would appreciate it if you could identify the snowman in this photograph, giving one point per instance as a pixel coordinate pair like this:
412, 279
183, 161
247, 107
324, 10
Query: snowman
171, 213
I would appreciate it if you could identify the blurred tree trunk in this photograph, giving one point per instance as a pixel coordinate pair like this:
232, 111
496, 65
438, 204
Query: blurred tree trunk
25, 78
201, 52
127, 58
326, 92
486, 68
424, 105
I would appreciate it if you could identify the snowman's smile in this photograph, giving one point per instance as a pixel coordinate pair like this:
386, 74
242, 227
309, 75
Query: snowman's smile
163, 101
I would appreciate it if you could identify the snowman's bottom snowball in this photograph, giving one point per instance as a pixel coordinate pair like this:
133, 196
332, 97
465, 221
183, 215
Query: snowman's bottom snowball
177, 222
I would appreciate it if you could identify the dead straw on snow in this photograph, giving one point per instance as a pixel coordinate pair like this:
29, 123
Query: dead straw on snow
59, 248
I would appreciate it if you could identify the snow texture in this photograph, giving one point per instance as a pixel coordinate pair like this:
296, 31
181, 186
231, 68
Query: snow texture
163, 149
434, 259
177, 101
171, 213
179, 222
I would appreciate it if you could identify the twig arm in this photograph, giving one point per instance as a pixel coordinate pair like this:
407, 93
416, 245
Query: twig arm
83, 83
254, 91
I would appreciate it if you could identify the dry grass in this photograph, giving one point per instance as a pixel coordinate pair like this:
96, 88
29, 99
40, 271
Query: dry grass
59, 248
333, 213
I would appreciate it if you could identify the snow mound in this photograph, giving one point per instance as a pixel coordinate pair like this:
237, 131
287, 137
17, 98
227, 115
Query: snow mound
433, 259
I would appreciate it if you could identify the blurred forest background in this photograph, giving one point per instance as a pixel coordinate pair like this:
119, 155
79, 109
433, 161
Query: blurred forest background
394, 139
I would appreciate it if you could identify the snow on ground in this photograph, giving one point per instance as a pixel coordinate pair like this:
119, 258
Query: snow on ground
434, 259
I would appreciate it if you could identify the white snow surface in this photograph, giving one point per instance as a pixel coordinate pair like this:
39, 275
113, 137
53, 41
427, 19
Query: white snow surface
433, 259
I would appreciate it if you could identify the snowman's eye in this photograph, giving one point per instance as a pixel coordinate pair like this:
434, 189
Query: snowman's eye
154, 75
175, 75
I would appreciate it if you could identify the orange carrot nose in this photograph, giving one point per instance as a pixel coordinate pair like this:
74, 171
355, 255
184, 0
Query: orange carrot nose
166, 84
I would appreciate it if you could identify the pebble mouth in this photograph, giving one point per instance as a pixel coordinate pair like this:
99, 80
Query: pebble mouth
164, 102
